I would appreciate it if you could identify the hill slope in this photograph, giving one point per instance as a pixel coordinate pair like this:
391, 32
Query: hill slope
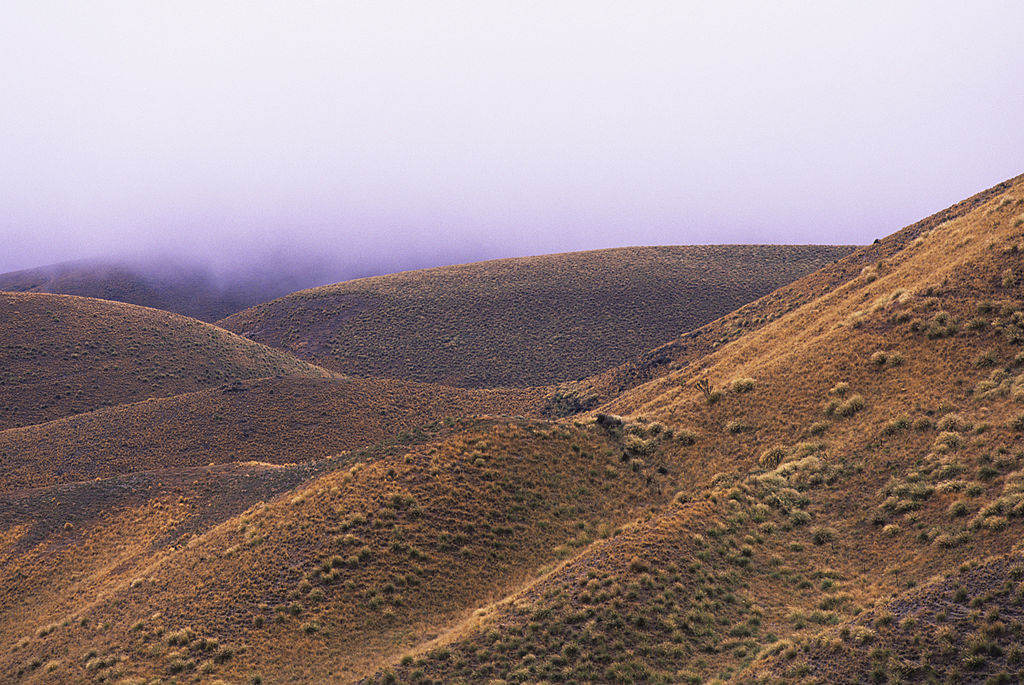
62, 355
693, 345
357, 565
527, 321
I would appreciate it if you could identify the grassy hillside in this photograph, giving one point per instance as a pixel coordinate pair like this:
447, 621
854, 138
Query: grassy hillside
278, 420
527, 321
181, 288
844, 503
360, 564
62, 355
963, 627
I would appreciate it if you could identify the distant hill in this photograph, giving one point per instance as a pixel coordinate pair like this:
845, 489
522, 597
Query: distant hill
524, 321
183, 288
62, 355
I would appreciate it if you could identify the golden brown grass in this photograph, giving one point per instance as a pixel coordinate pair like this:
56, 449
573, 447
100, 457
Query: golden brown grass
527, 321
372, 554
694, 345
829, 526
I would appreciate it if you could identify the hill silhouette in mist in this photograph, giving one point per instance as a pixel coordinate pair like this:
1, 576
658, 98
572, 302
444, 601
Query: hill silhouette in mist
179, 286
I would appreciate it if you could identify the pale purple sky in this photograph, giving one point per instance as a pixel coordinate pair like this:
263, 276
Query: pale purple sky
386, 135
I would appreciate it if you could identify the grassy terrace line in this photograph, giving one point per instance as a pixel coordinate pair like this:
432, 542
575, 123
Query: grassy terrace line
523, 322
278, 420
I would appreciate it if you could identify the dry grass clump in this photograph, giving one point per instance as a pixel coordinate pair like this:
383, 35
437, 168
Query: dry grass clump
845, 408
818, 427
686, 436
883, 358
1000, 383
737, 427
953, 422
948, 440
638, 445
772, 457
897, 425
741, 385
942, 325
840, 389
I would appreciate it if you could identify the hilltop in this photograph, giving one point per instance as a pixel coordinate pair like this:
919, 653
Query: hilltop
62, 355
527, 321
693, 345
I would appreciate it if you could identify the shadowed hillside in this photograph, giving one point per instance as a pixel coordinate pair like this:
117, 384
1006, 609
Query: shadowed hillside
62, 355
527, 321
965, 627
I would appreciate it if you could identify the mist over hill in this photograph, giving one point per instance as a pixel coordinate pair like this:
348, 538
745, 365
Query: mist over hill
190, 287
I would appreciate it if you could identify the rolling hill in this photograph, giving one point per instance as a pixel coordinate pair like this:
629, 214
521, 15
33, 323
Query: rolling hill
62, 355
523, 322
842, 502
695, 344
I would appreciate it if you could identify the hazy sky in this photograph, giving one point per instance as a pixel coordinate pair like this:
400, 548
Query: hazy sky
387, 135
